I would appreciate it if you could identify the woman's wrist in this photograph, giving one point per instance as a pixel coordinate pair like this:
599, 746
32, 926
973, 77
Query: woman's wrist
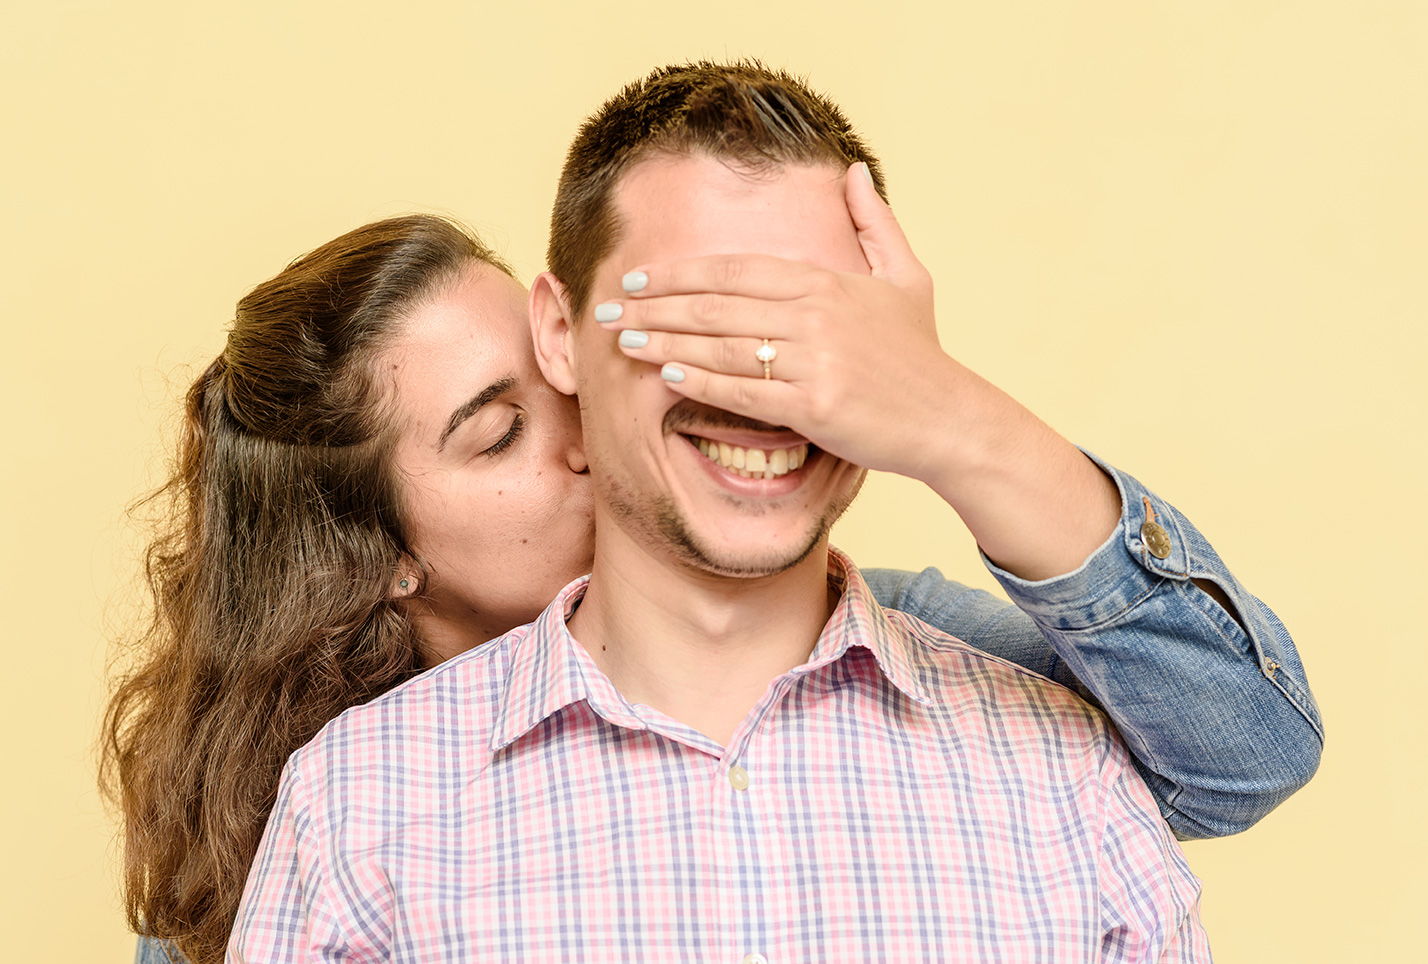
1035, 504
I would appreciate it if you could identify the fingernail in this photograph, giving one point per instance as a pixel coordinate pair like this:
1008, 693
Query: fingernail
867, 172
672, 373
629, 338
609, 311
635, 281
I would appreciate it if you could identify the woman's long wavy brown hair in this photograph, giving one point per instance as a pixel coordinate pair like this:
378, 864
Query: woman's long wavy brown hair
271, 574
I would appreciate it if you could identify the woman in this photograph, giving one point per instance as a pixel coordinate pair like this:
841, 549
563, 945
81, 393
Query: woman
364, 489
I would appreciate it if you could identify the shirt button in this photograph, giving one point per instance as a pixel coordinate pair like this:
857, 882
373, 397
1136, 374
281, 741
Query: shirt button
739, 780
755, 959
1156, 539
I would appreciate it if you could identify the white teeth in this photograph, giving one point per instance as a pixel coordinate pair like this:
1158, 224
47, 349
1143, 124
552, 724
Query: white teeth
754, 463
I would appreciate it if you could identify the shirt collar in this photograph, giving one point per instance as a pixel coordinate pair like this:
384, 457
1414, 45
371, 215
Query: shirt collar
858, 620
549, 670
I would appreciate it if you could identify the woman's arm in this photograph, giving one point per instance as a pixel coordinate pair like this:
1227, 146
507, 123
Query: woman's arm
1216, 711
154, 951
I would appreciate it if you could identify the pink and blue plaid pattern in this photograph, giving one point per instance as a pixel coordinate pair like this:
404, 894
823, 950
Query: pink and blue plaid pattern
907, 798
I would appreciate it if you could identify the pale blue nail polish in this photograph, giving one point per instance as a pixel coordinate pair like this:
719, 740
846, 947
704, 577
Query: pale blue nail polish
629, 338
672, 373
868, 173
609, 311
635, 281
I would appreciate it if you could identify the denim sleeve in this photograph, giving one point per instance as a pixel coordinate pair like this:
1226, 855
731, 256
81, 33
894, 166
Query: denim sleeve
1219, 718
154, 951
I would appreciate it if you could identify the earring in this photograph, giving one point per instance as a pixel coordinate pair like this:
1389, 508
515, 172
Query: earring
404, 584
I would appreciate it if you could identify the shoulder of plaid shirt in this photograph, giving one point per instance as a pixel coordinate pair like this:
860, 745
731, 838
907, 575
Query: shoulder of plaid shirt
912, 797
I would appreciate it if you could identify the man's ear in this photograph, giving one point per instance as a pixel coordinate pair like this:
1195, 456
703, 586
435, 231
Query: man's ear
552, 332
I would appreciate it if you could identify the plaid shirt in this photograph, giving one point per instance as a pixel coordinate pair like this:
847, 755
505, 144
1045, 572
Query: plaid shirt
900, 796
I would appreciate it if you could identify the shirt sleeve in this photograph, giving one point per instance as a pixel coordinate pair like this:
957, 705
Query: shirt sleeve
285, 915
154, 951
1149, 899
1218, 717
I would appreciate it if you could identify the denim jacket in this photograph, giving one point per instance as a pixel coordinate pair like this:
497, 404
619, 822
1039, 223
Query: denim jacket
1219, 718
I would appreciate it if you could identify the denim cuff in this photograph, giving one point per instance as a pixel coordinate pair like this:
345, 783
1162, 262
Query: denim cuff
1120, 573
1123, 572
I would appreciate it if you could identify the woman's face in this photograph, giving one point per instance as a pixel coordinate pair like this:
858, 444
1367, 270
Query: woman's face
497, 500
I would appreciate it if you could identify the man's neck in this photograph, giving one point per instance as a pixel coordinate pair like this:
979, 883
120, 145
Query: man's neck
700, 648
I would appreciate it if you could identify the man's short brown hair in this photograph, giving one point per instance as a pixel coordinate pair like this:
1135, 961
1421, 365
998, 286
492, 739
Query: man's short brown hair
741, 112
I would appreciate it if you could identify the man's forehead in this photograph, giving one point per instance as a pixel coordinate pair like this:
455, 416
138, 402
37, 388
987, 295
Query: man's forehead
685, 206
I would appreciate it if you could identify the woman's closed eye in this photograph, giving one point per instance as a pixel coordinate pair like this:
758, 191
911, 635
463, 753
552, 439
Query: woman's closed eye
518, 424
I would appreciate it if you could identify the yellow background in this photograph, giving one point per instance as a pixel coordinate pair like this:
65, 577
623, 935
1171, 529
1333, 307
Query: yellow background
1190, 235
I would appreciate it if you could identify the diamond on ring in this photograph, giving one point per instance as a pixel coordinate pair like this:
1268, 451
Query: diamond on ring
766, 353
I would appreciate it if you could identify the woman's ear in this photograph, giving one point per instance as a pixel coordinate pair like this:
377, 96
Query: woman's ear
406, 581
552, 332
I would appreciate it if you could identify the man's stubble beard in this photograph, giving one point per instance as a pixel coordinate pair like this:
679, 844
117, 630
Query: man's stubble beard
664, 524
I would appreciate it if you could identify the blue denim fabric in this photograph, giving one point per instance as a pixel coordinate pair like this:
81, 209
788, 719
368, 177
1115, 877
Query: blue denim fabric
151, 951
1220, 721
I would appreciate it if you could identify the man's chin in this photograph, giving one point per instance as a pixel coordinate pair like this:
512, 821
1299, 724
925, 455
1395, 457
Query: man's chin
750, 561
742, 565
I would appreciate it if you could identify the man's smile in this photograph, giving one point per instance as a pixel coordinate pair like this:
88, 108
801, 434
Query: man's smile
752, 463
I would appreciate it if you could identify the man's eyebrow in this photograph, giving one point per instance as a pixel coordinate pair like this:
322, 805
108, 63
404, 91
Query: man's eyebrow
473, 405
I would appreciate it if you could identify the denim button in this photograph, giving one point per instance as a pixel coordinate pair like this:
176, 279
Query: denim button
1156, 539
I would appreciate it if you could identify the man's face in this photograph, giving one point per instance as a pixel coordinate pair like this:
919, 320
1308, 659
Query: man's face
643, 439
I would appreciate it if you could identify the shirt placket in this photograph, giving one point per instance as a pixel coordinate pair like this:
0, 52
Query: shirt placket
748, 827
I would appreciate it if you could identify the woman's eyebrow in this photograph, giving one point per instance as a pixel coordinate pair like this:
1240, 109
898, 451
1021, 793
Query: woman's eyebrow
473, 405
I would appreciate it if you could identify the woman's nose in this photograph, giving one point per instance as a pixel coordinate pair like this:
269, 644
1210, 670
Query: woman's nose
574, 441
575, 451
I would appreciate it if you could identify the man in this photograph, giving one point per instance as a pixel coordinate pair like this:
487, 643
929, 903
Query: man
719, 748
